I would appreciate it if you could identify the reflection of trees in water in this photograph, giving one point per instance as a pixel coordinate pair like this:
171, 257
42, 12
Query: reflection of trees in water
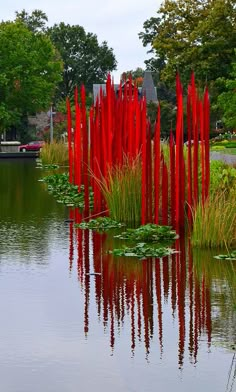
27, 212
139, 294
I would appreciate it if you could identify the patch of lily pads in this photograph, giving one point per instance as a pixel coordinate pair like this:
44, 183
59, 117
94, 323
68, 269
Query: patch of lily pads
149, 233
64, 192
148, 241
229, 256
102, 223
51, 166
143, 251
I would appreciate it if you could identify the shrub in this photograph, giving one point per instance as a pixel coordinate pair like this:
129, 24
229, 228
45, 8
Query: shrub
222, 177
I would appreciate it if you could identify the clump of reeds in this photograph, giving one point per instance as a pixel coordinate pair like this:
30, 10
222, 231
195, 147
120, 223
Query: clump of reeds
122, 192
54, 153
214, 223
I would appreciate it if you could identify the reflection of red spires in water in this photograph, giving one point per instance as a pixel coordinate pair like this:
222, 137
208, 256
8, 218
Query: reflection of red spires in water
190, 284
165, 265
145, 305
125, 290
97, 245
159, 304
203, 307
196, 317
173, 283
181, 289
71, 242
138, 300
208, 315
86, 281
80, 267
132, 317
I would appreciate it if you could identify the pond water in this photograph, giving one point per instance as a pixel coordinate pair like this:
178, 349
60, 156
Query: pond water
74, 318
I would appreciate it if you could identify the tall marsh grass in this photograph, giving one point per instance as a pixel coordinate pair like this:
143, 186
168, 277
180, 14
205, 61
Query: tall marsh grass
214, 224
54, 153
122, 192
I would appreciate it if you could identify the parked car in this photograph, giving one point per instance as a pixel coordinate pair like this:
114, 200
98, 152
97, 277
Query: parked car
32, 146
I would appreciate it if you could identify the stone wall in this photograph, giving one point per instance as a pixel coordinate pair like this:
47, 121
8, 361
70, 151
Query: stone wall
9, 146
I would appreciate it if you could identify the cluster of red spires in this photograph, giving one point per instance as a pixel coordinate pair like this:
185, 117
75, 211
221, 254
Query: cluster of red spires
118, 127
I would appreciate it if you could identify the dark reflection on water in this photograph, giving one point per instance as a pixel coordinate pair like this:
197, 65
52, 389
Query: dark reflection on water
196, 289
73, 317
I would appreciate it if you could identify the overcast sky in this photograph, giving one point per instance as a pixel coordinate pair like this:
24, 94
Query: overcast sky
117, 22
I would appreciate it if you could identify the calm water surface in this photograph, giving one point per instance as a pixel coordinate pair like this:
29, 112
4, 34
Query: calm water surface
74, 318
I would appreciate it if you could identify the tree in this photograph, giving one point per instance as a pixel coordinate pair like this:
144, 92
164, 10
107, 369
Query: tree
29, 72
188, 35
35, 22
227, 100
85, 61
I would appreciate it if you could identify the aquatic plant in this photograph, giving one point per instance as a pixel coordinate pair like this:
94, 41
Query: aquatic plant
121, 190
149, 233
229, 256
54, 153
66, 193
142, 251
102, 223
214, 223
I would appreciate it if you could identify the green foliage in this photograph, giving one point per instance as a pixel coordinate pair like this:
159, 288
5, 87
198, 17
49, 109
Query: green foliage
54, 153
103, 223
214, 223
142, 251
85, 61
222, 177
149, 233
218, 147
66, 193
122, 192
35, 22
227, 100
137, 73
30, 70
229, 256
188, 35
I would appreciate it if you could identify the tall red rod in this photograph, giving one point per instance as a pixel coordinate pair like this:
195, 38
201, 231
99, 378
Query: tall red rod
77, 146
157, 164
206, 106
195, 140
172, 179
178, 153
144, 163
164, 192
190, 187
149, 175
109, 121
202, 149
69, 127
85, 151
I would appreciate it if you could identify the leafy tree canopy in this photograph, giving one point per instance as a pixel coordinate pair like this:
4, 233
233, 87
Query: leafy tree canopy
227, 100
29, 72
85, 61
188, 35
36, 21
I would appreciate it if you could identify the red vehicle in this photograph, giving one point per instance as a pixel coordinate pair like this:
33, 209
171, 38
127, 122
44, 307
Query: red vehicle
32, 146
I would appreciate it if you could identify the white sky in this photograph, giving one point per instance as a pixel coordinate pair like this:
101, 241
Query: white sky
117, 22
